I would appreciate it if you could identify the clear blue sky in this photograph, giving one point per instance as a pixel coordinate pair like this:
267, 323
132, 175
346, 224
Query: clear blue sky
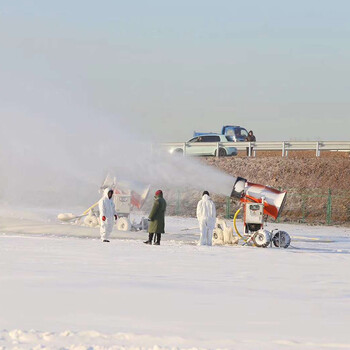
281, 68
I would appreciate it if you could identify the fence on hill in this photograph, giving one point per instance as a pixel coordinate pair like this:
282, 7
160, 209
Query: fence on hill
311, 206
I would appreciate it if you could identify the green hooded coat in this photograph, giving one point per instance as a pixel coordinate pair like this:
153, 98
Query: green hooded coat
157, 221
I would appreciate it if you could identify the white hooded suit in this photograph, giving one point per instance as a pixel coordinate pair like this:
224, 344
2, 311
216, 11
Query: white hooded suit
107, 208
206, 215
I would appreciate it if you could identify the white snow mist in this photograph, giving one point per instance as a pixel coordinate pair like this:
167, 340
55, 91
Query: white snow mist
58, 154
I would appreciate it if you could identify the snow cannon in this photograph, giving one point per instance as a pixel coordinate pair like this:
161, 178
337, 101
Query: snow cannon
127, 195
258, 201
249, 192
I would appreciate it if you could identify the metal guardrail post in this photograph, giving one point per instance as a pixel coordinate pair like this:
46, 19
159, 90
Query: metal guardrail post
317, 149
249, 150
283, 149
217, 150
184, 152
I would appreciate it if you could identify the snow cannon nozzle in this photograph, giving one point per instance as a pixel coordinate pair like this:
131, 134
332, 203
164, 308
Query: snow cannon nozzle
272, 199
238, 188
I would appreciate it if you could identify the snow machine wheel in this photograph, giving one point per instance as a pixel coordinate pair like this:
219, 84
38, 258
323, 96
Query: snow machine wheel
262, 238
123, 224
281, 239
91, 221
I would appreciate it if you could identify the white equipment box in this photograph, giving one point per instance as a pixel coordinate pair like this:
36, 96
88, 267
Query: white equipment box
254, 213
122, 203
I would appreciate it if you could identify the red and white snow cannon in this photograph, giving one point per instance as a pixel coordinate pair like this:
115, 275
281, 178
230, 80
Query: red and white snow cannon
257, 201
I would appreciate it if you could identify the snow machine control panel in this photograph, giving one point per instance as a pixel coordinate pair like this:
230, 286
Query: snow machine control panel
254, 213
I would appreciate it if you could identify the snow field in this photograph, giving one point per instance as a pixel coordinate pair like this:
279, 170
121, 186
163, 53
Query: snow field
126, 295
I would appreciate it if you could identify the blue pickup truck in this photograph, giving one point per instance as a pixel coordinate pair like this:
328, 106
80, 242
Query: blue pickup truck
233, 133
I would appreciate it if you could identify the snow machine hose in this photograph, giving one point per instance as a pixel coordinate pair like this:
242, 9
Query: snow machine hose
235, 224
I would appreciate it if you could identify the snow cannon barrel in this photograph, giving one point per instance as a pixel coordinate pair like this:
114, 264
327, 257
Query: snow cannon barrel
273, 199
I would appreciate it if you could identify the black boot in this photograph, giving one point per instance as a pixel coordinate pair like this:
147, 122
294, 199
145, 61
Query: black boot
150, 238
157, 242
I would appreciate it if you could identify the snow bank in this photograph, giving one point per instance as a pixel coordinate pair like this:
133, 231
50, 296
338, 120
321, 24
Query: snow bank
85, 340
92, 340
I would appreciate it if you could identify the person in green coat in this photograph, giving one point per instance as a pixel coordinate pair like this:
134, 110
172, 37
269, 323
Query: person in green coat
157, 218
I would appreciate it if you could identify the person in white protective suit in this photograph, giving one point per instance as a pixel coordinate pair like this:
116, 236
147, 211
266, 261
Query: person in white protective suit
107, 214
206, 215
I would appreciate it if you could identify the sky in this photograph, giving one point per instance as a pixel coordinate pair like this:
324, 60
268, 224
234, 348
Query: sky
162, 69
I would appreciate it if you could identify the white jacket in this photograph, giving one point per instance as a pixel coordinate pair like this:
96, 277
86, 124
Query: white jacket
106, 206
206, 211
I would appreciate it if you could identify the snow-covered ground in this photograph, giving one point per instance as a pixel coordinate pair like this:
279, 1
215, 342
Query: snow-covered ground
61, 288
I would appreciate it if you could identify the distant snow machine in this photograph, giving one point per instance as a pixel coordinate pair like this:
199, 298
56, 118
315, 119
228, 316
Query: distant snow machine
126, 195
257, 201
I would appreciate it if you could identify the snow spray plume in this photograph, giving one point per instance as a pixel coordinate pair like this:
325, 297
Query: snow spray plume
176, 172
60, 157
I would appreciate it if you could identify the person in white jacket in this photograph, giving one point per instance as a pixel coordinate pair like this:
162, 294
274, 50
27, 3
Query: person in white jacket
206, 215
107, 214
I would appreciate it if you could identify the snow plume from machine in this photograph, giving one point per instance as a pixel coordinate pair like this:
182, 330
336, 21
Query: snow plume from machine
176, 172
56, 154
